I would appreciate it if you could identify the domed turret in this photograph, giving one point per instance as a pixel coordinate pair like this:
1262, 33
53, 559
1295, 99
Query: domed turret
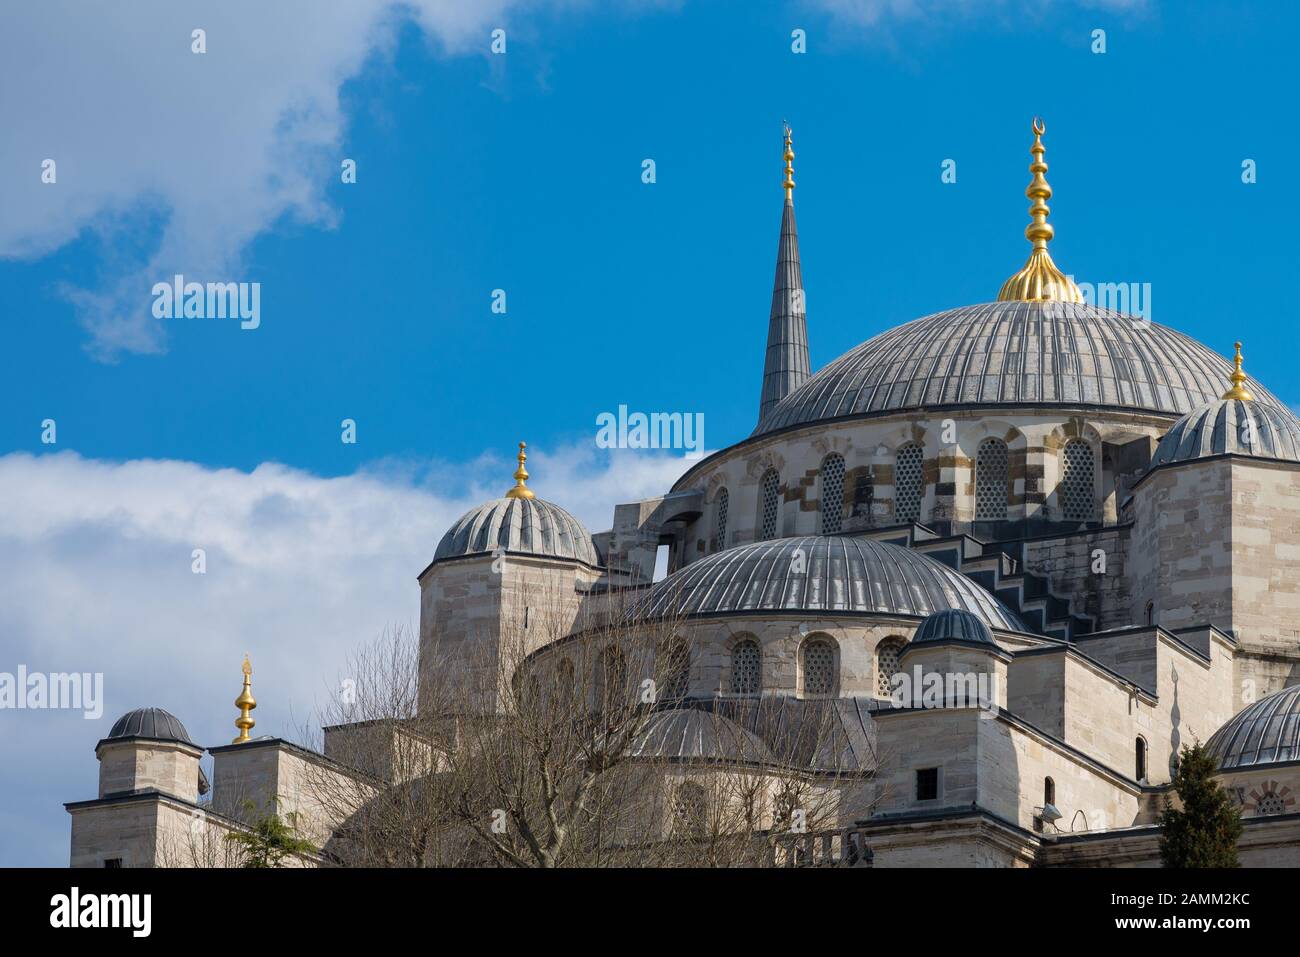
520, 523
953, 624
1234, 424
153, 723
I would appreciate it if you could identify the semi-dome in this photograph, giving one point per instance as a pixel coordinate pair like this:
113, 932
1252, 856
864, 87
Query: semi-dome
1238, 426
1013, 353
953, 624
824, 574
696, 734
1267, 732
150, 723
521, 523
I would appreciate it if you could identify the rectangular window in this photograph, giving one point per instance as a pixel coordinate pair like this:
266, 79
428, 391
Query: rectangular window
112, 862
927, 784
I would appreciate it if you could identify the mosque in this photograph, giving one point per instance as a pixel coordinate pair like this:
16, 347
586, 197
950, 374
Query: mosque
1095, 516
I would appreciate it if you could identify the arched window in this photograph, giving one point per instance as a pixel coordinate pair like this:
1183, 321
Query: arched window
991, 481
1141, 750
832, 494
1151, 613
611, 678
690, 812
720, 503
746, 667
674, 661
908, 484
768, 504
818, 661
887, 665
1078, 503
1049, 791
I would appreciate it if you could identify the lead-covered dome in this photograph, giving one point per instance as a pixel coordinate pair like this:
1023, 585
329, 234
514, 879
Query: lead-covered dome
1014, 353
1266, 732
152, 723
953, 624
823, 574
525, 526
1237, 426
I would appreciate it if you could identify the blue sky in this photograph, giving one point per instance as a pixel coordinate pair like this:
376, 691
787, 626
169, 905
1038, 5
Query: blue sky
521, 171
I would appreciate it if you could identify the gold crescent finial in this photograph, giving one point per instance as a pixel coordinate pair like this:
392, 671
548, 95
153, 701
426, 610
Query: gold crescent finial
245, 703
1238, 390
520, 490
788, 184
1039, 280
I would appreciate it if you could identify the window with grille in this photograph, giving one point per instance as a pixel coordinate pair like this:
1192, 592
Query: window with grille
907, 484
887, 653
991, 481
1076, 481
818, 667
674, 670
768, 505
746, 664
832, 493
690, 812
1271, 803
720, 504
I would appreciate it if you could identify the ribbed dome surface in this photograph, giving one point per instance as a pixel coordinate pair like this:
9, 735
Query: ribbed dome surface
1231, 425
692, 733
525, 526
1014, 353
823, 574
1266, 732
953, 623
150, 723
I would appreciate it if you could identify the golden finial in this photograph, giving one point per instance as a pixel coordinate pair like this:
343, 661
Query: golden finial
789, 165
245, 703
521, 490
1238, 390
1039, 280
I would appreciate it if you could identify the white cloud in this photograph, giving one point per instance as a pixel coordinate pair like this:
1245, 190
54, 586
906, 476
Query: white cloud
209, 149
95, 576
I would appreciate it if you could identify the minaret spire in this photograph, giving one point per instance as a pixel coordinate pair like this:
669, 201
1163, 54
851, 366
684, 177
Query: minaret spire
785, 366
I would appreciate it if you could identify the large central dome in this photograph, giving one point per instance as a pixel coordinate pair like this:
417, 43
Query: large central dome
1014, 353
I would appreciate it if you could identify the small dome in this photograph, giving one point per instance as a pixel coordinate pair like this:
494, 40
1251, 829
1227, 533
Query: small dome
1266, 732
688, 733
822, 574
527, 526
150, 723
1238, 426
953, 624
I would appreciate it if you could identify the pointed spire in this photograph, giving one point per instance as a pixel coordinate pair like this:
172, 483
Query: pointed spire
1238, 390
245, 703
520, 490
1039, 280
785, 366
